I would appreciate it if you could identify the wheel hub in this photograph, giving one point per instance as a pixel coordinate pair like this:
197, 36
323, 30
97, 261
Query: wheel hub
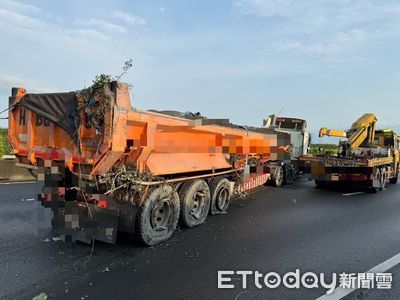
222, 199
160, 215
197, 205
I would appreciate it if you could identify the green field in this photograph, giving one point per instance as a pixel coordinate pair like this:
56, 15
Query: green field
329, 149
4, 145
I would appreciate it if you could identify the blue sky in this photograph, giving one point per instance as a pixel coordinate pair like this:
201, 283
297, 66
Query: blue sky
323, 60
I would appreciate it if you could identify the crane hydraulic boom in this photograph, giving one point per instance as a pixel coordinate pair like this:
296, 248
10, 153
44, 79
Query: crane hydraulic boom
361, 132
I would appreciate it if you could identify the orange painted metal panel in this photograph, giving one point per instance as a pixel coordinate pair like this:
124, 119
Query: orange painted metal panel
155, 142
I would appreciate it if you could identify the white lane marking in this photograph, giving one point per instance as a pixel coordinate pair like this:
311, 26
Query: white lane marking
16, 182
339, 292
352, 194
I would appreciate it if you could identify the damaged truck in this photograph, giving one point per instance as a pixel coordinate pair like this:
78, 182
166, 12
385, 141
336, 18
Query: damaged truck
108, 167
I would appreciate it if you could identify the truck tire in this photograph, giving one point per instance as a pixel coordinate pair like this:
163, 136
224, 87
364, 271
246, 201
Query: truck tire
376, 181
373, 190
220, 192
195, 203
290, 174
383, 178
157, 216
278, 176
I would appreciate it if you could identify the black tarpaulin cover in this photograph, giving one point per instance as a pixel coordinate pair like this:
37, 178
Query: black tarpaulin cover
59, 108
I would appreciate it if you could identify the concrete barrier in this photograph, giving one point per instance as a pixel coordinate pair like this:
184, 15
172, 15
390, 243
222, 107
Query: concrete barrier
9, 171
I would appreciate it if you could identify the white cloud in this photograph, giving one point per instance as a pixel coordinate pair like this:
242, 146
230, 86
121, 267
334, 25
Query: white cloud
20, 7
85, 34
128, 18
316, 12
267, 8
326, 28
9, 81
36, 27
20, 20
104, 25
339, 43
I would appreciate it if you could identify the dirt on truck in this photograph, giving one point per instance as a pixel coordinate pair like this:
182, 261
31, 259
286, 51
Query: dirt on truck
108, 167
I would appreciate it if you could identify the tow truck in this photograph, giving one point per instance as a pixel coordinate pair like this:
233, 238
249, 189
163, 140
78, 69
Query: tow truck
368, 157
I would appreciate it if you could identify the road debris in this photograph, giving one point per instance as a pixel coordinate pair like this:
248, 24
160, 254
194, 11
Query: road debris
128, 177
41, 296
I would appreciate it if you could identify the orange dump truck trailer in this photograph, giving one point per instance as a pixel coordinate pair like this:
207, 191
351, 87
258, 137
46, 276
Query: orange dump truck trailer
108, 167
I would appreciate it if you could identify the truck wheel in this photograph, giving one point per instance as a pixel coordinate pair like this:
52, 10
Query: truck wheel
195, 203
383, 178
372, 190
220, 195
277, 178
158, 216
394, 179
289, 174
377, 181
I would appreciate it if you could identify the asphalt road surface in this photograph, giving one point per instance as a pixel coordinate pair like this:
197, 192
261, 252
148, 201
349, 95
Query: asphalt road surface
280, 230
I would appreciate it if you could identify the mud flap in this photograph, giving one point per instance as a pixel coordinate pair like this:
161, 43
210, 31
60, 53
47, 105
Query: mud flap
75, 221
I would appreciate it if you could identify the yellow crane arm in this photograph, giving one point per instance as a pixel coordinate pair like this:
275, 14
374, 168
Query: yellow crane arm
357, 138
362, 131
329, 132
365, 120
